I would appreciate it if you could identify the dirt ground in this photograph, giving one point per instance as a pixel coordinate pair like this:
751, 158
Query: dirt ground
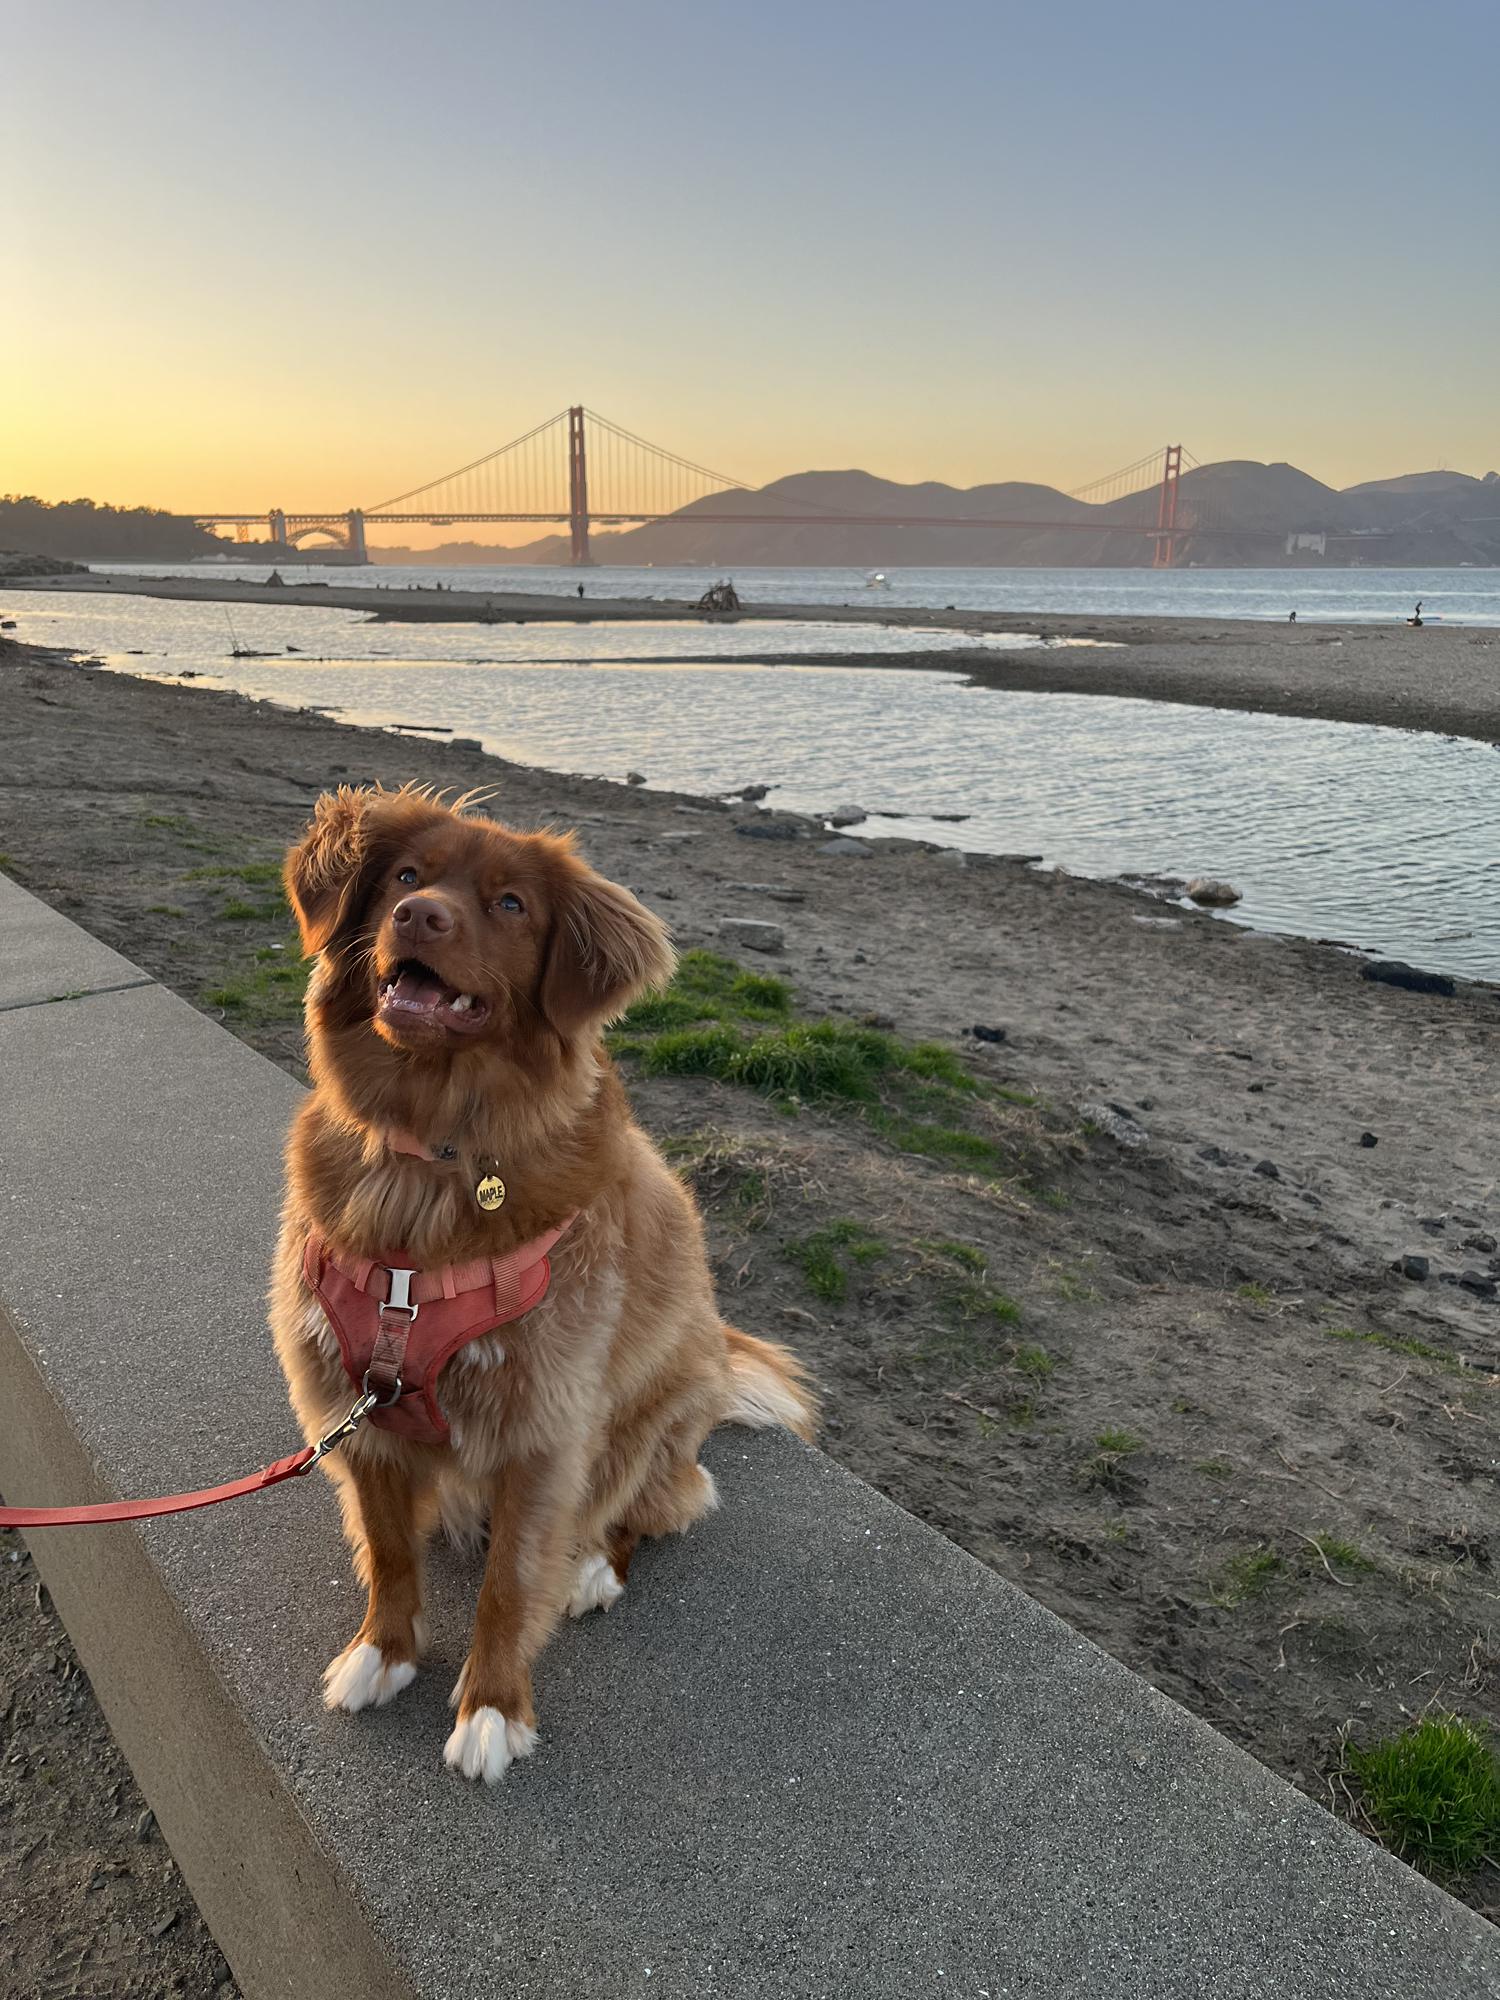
1161, 1365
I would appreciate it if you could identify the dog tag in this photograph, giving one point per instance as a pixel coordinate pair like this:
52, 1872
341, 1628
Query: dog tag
490, 1192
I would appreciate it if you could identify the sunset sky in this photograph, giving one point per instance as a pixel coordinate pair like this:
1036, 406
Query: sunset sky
314, 254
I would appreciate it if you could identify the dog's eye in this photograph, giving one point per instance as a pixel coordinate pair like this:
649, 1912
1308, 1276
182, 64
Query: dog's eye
408, 878
512, 905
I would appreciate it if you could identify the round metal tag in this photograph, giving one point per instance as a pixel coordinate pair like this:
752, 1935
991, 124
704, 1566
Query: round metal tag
490, 1192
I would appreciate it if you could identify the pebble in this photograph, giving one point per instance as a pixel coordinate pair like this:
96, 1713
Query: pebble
847, 816
774, 890
145, 1826
1484, 1243
635, 777
983, 1034
1415, 1268
768, 829
1368, 1139
750, 793
464, 743
752, 934
1267, 1169
851, 850
1477, 1282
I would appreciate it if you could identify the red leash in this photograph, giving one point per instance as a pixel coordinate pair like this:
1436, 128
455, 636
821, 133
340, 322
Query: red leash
291, 1467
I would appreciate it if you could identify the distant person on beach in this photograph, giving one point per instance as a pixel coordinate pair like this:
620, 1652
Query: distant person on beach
1292, 618
1416, 617
580, 590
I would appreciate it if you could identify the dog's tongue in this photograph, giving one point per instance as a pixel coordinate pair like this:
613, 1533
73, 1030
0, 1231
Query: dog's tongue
419, 990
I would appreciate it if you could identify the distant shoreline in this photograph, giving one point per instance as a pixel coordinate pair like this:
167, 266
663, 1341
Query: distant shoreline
1444, 679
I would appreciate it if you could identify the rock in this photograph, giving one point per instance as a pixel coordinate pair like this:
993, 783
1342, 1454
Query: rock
1116, 1123
1483, 1242
1213, 895
750, 793
145, 1826
1267, 1169
464, 743
983, 1034
1368, 1139
1392, 972
1255, 1089
635, 777
852, 850
950, 857
1159, 923
1433, 1224
1415, 1268
769, 829
752, 934
1482, 1286
847, 816
775, 890
1215, 1156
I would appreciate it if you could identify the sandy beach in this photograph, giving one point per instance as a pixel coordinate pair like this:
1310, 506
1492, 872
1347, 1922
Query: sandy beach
1202, 1348
1441, 678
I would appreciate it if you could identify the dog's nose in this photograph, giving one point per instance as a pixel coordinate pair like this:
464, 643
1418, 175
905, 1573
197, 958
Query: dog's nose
419, 917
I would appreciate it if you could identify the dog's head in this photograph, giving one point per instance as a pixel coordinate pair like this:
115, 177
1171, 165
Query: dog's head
441, 931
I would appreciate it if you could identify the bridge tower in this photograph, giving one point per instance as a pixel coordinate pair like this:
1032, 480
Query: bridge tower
356, 524
1164, 554
276, 525
578, 489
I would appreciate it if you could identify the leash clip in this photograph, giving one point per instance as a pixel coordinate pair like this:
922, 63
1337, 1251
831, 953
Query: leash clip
332, 1439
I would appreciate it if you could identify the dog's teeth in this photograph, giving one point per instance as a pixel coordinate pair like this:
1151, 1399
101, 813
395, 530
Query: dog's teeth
464, 1000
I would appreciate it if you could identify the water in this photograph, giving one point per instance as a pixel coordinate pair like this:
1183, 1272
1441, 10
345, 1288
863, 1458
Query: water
1454, 596
1385, 839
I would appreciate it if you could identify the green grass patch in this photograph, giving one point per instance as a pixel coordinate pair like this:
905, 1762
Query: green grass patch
960, 1253
1243, 1577
825, 1256
173, 822
271, 990
1416, 1350
1120, 1444
1214, 1468
240, 912
1339, 1553
1109, 1466
1034, 1362
1433, 1793
246, 871
1255, 1295
164, 910
719, 1021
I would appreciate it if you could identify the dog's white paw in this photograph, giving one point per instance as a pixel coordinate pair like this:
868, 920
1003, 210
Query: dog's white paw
595, 1587
486, 1744
361, 1677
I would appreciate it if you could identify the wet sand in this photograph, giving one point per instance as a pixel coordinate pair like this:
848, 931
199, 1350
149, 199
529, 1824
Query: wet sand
1442, 678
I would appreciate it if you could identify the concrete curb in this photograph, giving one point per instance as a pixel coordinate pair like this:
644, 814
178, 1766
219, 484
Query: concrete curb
817, 1750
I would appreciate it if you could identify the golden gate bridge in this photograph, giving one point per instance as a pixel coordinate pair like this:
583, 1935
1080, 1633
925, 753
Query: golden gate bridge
581, 471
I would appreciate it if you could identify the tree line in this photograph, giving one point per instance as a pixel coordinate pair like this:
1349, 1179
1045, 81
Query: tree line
84, 531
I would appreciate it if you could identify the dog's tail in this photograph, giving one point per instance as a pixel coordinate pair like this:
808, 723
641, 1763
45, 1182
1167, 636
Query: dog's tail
770, 1386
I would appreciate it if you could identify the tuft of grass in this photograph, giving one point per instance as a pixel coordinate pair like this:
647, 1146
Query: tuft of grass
1109, 1465
1433, 1793
1340, 1554
710, 988
271, 991
1214, 1468
1034, 1361
961, 1253
824, 1257
163, 910
1255, 1295
240, 912
1243, 1577
173, 821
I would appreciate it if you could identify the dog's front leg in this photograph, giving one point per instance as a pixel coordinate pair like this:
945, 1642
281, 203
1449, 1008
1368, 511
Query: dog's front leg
382, 1498
533, 1512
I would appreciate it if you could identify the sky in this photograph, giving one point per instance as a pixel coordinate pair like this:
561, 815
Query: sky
312, 255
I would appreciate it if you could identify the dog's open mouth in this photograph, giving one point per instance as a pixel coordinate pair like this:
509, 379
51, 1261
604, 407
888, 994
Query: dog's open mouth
414, 994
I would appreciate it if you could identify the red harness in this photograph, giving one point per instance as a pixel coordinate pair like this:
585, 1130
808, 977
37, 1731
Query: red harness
398, 1327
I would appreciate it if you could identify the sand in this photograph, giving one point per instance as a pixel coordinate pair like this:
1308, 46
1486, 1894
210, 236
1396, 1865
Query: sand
1442, 678
1223, 1301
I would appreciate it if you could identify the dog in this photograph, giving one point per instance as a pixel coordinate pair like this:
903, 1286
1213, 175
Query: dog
481, 1243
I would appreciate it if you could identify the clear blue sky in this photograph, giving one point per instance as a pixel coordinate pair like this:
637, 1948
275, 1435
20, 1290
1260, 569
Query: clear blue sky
318, 253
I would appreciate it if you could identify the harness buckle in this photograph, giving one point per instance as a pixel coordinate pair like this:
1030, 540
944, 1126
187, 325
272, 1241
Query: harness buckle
400, 1298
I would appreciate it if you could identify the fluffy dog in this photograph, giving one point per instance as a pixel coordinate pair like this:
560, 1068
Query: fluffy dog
467, 1158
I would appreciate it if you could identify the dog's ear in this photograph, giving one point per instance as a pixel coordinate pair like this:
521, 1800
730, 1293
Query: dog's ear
606, 950
322, 870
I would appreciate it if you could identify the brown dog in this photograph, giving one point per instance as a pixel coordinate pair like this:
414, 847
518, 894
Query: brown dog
466, 1130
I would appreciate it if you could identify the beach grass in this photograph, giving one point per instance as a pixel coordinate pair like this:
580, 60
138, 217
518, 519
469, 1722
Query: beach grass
1433, 1793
